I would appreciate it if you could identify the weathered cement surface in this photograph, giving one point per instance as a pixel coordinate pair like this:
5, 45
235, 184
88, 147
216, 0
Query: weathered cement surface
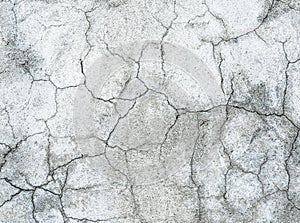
128, 111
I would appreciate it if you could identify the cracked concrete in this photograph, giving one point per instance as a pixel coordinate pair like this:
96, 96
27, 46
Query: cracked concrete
129, 111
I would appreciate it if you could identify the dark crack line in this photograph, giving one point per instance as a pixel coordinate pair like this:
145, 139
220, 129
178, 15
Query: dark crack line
14, 148
11, 198
162, 51
192, 177
9, 123
293, 147
286, 76
33, 207
221, 74
219, 19
167, 133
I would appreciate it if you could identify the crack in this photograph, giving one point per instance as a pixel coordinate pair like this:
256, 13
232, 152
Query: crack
225, 150
167, 133
259, 172
97, 220
48, 151
265, 114
15, 186
286, 79
192, 165
67, 163
138, 62
33, 190
119, 119
166, 97
221, 74
50, 191
266, 158
14, 148
62, 210
33, 207
15, 36
162, 52
11, 198
110, 100
288, 4
286, 75
63, 185
136, 210
114, 53
9, 123
293, 147
49, 26
218, 18
87, 31
82, 72
264, 19
90, 46
260, 37
129, 184
190, 21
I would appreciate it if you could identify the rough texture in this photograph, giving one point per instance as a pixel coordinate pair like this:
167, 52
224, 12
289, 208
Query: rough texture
127, 111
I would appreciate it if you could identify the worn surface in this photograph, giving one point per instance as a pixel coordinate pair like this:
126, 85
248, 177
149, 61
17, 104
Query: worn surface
128, 111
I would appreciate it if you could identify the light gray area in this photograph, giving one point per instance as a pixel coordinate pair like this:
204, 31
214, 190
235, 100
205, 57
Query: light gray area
129, 111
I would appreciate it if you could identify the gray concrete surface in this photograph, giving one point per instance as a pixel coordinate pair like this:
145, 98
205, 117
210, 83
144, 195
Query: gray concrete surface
129, 111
